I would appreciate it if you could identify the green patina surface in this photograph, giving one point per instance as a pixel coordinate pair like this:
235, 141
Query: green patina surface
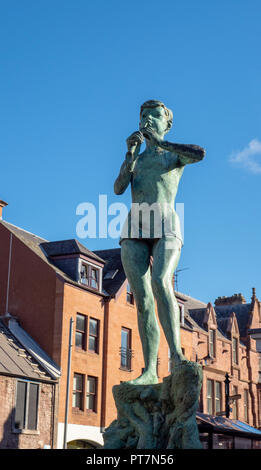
154, 176
152, 415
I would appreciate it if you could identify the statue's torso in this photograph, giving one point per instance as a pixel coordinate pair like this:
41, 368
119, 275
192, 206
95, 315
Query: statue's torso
155, 180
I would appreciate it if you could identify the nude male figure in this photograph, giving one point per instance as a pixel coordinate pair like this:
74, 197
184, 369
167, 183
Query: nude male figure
154, 176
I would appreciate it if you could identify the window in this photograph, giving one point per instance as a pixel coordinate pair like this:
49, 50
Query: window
130, 296
93, 335
246, 406
77, 401
217, 397
26, 409
169, 361
210, 390
181, 314
94, 277
235, 404
212, 343
91, 396
90, 276
157, 366
80, 333
125, 350
235, 350
214, 397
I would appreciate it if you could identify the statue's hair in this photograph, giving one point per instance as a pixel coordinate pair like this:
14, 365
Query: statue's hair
154, 104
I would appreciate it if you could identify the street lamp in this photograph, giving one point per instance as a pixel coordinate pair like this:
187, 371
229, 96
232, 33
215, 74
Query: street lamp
227, 382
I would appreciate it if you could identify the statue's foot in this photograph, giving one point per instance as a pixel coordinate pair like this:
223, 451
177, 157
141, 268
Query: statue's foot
177, 360
147, 378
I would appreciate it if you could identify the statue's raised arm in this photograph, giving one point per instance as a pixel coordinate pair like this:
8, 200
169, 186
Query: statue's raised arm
187, 153
134, 142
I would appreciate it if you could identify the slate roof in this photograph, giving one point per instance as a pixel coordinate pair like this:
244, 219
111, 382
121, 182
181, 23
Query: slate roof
33, 348
15, 360
68, 247
242, 312
36, 244
195, 311
223, 325
198, 316
190, 302
112, 263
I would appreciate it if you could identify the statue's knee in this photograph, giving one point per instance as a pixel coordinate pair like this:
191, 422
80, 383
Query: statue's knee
144, 302
158, 284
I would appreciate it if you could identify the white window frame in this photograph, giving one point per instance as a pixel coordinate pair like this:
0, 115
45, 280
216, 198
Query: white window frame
26, 429
99, 269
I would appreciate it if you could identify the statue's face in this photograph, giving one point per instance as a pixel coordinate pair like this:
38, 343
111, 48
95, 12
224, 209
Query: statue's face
156, 119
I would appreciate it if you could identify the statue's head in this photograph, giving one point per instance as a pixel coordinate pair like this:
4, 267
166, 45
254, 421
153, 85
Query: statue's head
157, 114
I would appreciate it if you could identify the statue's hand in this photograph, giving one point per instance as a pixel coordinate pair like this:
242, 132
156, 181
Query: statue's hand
151, 135
134, 140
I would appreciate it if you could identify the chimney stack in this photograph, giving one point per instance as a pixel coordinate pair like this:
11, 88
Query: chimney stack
235, 299
253, 294
2, 205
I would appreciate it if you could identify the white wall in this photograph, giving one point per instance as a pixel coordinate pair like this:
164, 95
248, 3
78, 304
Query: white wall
79, 432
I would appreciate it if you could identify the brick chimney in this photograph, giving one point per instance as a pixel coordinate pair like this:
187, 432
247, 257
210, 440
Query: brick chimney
233, 300
2, 205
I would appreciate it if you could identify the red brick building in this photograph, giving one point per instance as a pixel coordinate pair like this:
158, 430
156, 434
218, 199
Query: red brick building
28, 411
45, 284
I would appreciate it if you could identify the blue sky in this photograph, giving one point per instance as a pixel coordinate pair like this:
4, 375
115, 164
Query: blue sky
73, 76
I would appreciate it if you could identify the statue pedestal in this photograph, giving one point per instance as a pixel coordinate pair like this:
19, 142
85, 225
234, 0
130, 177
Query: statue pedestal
161, 416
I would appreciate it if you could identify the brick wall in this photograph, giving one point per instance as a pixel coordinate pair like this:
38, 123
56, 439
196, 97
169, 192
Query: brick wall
9, 439
76, 300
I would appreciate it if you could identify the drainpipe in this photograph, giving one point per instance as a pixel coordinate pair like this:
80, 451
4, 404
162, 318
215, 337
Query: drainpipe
104, 363
68, 384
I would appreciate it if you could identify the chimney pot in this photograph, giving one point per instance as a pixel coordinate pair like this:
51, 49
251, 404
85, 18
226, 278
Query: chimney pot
2, 205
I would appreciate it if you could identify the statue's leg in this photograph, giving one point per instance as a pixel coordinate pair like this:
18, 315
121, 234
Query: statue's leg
135, 255
165, 261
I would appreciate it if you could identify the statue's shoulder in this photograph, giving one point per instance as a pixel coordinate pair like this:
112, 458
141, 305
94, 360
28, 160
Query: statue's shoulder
172, 161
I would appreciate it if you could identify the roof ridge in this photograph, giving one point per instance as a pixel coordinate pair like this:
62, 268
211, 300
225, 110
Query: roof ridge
192, 298
22, 230
233, 305
108, 249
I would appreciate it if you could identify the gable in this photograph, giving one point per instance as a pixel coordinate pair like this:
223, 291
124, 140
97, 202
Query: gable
210, 317
254, 317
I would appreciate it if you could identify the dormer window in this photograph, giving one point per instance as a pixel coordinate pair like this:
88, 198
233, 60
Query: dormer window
90, 276
212, 349
130, 296
181, 313
235, 350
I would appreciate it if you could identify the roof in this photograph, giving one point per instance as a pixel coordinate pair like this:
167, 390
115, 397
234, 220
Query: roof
36, 244
190, 302
15, 360
242, 312
33, 348
220, 425
198, 316
68, 247
112, 280
223, 324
